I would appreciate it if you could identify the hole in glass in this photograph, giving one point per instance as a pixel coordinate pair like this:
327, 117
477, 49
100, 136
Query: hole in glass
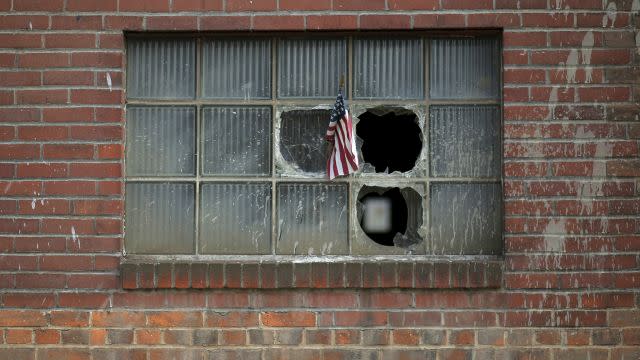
391, 138
390, 216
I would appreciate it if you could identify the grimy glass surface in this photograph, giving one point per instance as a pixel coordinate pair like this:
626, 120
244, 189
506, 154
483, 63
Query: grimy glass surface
235, 218
160, 218
161, 140
466, 219
302, 139
312, 219
236, 68
465, 140
388, 68
205, 175
236, 140
311, 68
465, 68
159, 69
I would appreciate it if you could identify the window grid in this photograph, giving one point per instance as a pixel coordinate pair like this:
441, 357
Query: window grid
274, 103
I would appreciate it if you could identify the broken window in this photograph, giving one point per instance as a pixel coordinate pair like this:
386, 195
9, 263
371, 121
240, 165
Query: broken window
226, 151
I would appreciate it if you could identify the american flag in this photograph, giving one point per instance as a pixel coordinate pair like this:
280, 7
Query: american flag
343, 159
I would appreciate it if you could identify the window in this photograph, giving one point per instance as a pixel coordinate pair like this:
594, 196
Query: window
225, 150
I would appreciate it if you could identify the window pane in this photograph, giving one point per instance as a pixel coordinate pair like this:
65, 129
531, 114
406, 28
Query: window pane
312, 219
237, 68
388, 69
465, 141
466, 219
237, 140
465, 68
161, 68
235, 219
311, 68
160, 218
302, 140
160, 141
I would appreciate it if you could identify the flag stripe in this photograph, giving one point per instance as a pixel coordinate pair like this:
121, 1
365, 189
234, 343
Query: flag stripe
343, 160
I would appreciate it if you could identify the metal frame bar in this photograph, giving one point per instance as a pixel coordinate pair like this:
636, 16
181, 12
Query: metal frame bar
274, 103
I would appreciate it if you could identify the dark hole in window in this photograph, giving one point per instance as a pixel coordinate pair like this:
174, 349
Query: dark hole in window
390, 216
391, 138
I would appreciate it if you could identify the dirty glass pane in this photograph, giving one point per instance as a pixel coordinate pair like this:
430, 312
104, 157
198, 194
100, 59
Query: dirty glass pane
236, 68
465, 68
160, 218
388, 69
237, 140
161, 68
465, 141
160, 141
312, 219
311, 67
302, 139
466, 219
235, 218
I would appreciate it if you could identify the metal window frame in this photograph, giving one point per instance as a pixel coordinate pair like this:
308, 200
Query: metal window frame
274, 103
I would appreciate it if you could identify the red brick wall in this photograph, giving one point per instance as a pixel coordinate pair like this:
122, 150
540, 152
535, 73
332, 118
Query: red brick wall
570, 281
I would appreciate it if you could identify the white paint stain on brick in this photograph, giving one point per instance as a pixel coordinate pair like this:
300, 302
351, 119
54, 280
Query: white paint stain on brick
109, 81
587, 47
612, 13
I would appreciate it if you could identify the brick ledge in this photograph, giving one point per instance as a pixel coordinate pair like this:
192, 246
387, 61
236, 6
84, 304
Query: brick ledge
419, 274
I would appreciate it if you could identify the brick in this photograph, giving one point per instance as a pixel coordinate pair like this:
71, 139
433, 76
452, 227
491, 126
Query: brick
124, 22
332, 22
17, 336
20, 78
145, 6
467, 4
41, 96
273, 23
19, 151
105, 97
197, 5
248, 5
225, 23
358, 5
52, 41
68, 78
288, 319
304, 5
231, 319
413, 4
385, 22
21, 22
172, 23
79, 22
36, 5
47, 336
22, 318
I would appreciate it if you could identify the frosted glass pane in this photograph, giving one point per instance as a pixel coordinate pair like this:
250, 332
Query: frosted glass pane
466, 219
311, 67
235, 218
312, 219
465, 68
160, 218
236, 68
237, 140
465, 141
161, 68
389, 69
160, 141
302, 139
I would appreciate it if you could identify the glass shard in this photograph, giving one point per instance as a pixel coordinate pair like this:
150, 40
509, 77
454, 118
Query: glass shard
236, 140
236, 68
465, 141
161, 68
302, 139
160, 141
465, 68
312, 219
466, 219
235, 218
388, 68
160, 218
311, 67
